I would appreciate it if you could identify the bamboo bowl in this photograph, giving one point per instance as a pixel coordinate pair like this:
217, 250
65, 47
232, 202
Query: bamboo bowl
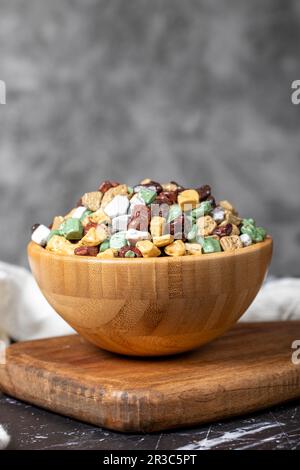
154, 306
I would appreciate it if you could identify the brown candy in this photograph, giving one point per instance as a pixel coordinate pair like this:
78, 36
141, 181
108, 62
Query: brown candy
223, 231
88, 226
106, 185
204, 192
86, 251
180, 227
166, 197
124, 249
140, 218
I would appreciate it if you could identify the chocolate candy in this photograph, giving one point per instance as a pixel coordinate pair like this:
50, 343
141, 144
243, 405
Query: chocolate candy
72, 229
149, 219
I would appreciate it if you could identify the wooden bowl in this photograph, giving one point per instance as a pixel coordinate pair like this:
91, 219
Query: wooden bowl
154, 306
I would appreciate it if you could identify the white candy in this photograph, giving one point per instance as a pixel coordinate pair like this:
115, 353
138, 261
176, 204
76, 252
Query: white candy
118, 206
40, 235
245, 239
137, 235
78, 212
218, 214
120, 223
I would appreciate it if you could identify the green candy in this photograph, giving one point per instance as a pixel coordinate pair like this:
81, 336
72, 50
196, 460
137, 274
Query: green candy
52, 233
104, 246
148, 195
260, 234
211, 245
118, 240
191, 236
71, 229
130, 189
85, 214
204, 209
174, 212
249, 222
129, 254
249, 230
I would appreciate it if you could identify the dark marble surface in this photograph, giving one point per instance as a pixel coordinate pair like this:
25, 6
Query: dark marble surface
194, 90
34, 428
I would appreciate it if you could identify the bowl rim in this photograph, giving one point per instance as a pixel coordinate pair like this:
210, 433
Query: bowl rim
35, 249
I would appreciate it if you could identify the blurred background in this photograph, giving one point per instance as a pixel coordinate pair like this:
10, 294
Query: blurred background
197, 91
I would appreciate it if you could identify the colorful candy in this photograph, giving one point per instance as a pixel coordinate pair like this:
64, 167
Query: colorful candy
148, 220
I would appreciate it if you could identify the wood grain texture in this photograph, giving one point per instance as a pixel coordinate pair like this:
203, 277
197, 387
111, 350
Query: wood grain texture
248, 368
155, 306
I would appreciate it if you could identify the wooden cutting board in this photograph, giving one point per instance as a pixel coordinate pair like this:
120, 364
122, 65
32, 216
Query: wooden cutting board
249, 368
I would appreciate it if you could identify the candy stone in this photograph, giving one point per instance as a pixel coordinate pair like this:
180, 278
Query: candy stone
52, 233
176, 248
188, 199
117, 206
57, 221
79, 212
211, 245
249, 230
120, 223
174, 212
192, 234
136, 235
135, 201
40, 235
193, 248
71, 229
246, 239
104, 245
109, 253
59, 245
129, 254
163, 240
204, 208
92, 200
148, 249
118, 240
147, 195
218, 214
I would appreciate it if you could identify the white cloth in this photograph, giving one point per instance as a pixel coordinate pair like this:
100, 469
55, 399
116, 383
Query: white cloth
4, 438
24, 312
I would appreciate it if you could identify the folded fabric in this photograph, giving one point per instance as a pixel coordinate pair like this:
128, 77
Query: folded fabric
25, 313
4, 438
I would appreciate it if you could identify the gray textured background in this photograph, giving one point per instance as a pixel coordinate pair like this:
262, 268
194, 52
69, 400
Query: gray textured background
197, 91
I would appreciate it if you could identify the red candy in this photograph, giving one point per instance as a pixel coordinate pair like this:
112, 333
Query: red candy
135, 250
86, 251
223, 231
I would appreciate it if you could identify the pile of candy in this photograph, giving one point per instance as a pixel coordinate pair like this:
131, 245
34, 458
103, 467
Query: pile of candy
148, 220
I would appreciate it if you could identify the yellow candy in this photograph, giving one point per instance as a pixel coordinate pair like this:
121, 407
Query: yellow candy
235, 230
57, 221
95, 236
193, 248
109, 253
148, 249
163, 240
92, 200
231, 243
99, 217
120, 190
228, 206
146, 181
231, 218
156, 226
61, 246
170, 187
206, 225
176, 248
188, 199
